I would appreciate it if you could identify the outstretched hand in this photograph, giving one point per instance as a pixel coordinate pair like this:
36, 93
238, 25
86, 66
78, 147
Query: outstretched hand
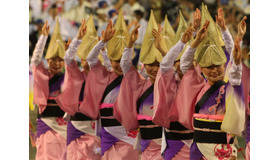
196, 19
82, 30
158, 41
220, 20
237, 51
133, 36
66, 45
109, 32
201, 34
242, 28
46, 29
187, 35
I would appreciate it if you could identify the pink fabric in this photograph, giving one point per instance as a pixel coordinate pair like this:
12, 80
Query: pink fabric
144, 117
182, 109
41, 86
68, 100
207, 116
84, 148
164, 93
248, 151
125, 108
97, 80
152, 152
184, 153
51, 146
106, 105
121, 151
246, 85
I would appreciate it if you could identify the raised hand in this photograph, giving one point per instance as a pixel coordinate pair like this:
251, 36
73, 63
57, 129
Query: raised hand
187, 34
82, 30
237, 51
66, 45
220, 20
159, 28
133, 36
158, 41
201, 34
196, 19
46, 29
109, 32
242, 28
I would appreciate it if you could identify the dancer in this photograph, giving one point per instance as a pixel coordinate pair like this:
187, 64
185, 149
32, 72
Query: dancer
134, 106
213, 109
101, 91
81, 130
51, 127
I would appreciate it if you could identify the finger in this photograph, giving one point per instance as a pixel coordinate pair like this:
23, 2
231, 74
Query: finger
216, 18
207, 24
155, 33
136, 28
109, 25
102, 34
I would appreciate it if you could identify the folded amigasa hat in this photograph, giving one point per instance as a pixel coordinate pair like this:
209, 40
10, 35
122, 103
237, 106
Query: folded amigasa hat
149, 53
120, 39
168, 34
56, 45
179, 33
89, 40
209, 52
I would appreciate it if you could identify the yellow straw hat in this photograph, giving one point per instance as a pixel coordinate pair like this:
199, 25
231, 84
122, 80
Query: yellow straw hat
180, 31
168, 33
120, 39
209, 52
89, 40
149, 54
56, 45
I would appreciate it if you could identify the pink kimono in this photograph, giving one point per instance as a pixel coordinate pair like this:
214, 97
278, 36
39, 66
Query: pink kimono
177, 138
51, 127
246, 87
101, 91
215, 113
82, 143
134, 108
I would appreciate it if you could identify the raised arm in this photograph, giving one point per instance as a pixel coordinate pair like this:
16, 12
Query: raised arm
196, 21
186, 60
168, 60
126, 61
92, 57
73, 47
106, 59
220, 20
235, 73
40, 46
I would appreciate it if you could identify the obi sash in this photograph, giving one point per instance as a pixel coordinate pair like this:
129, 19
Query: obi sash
177, 131
106, 113
80, 116
208, 131
148, 129
52, 109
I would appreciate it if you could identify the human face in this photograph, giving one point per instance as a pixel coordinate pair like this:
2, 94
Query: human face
85, 65
178, 70
213, 73
152, 70
116, 67
55, 65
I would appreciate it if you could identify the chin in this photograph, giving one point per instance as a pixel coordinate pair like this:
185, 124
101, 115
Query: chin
118, 72
56, 71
